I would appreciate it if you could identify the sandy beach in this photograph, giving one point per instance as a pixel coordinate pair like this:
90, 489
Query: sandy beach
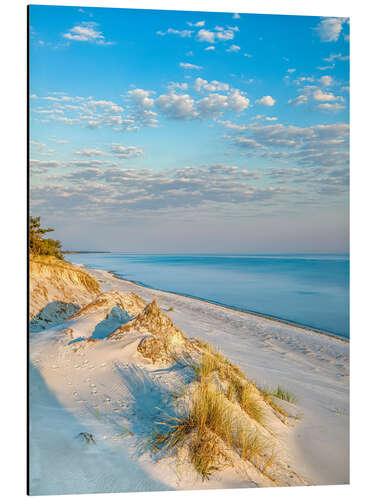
103, 389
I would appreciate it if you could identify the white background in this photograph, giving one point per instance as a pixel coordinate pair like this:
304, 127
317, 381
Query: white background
13, 241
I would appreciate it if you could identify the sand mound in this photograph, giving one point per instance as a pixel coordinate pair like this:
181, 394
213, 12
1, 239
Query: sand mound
106, 301
163, 341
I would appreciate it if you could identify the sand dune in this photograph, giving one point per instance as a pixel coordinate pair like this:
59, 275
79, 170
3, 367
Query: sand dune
112, 369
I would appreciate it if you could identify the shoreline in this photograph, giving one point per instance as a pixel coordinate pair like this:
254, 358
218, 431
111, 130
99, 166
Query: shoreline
232, 308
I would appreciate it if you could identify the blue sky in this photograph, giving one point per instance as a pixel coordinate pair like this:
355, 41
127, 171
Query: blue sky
189, 131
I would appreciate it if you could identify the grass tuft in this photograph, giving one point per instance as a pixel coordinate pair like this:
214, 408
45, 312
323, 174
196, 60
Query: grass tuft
285, 395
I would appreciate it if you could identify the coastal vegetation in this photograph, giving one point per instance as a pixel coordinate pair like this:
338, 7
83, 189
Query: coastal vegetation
39, 244
226, 418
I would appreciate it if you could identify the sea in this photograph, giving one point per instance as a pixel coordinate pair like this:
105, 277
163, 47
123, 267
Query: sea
310, 290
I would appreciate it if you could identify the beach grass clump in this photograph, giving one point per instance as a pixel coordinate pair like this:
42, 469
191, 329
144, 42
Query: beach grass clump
251, 403
210, 427
239, 389
285, 395
206, 454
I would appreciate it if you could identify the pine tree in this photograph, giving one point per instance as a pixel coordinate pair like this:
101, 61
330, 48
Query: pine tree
38, 245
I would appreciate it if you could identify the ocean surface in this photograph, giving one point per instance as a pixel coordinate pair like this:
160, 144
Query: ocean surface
310, 290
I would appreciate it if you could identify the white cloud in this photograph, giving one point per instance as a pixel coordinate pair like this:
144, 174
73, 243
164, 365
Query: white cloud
142, 114
236, 16
314, 94
189, 66
141, 97
220, 34
329, 29
213, 86
45, 164
330, 106
225, 35
210, 47
237, 101
177, 107
332, 57
301, 99
198, 24
303, 79
171, 31
107, 105
324, 68
175, 85
86, 32
90, 152
319, 95
206, 36
183, 107
247, 55
214, 105
266, 100
326, 80
126, 152
291, 70
233, 48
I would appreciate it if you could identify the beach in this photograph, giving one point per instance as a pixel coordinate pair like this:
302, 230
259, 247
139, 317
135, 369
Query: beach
107, 390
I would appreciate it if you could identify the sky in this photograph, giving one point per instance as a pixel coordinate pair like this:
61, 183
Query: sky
166, 131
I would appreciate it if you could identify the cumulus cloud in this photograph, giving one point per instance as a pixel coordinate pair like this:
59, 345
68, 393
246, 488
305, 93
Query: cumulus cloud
206, 36
266, 100
319, 95
184, 107
214, 85
220, 34
142, 114
329, 29
142, 97
177, 107
86, 32
210, 47
312, 93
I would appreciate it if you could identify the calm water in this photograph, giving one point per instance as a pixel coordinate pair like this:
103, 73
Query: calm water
311, 290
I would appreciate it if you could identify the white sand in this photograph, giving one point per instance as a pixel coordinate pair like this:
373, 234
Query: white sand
105, 391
